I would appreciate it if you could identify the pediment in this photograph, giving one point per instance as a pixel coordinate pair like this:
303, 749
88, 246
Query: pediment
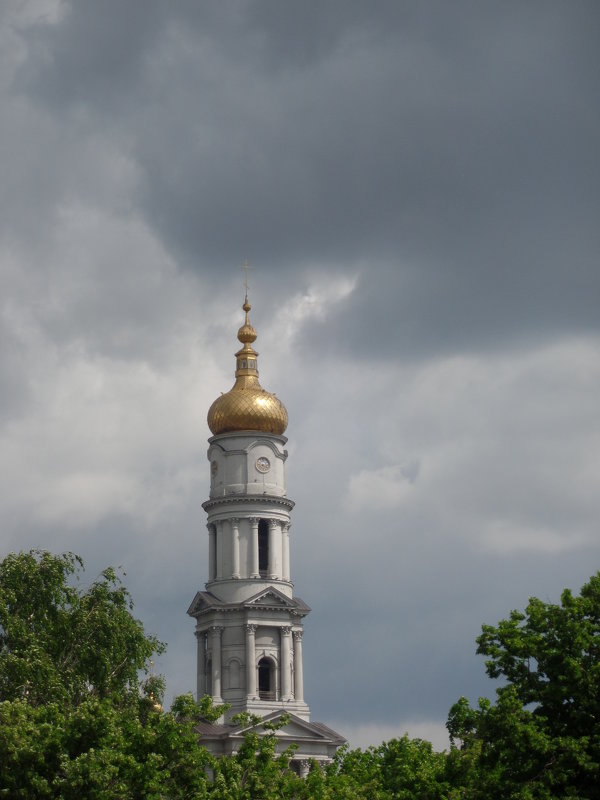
270, 598
202, 602
296, 729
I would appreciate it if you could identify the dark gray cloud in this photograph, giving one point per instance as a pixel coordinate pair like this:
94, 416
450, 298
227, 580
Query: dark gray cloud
446, 153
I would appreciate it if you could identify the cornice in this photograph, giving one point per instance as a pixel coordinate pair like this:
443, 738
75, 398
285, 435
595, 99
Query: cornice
238, 499
203, 605
248, 433
254, 611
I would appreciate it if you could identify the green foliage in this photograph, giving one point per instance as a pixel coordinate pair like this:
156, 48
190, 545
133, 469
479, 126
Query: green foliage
256, 771
542, 737
402, 769
62, 643
75, 721
98, 750
412, 770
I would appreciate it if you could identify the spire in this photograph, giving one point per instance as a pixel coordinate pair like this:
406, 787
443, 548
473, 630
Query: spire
247, 406
246, 372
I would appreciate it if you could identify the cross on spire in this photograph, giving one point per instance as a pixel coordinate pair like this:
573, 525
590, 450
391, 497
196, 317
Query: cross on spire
246, 267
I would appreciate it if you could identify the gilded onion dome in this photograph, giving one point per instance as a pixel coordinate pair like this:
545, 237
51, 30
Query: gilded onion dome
247, 406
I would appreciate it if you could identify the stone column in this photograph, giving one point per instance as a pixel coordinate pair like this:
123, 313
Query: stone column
215, 641
286, 667
254, 573
298, 677
219, 549
201, 665
286, 553
274, 548
304, 767
235, 548
212, 553
251, 662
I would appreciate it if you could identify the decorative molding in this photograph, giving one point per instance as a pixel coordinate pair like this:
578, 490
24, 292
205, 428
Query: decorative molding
214, 440
263, 499
269, 654
281, 454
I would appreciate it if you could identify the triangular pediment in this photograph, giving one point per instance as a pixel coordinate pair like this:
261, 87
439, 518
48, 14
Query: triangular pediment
270, 598
296, 729
202, 602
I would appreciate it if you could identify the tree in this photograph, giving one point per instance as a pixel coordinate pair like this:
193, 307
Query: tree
256, 771
542, 737
61, 643
75, 719
412, 770
401, 769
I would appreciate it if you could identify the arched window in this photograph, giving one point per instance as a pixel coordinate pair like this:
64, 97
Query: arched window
263, 548
213, 566
266, 679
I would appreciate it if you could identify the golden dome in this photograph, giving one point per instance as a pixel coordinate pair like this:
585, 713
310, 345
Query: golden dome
247, 406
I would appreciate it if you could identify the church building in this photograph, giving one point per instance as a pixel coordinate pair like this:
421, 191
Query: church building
249, 624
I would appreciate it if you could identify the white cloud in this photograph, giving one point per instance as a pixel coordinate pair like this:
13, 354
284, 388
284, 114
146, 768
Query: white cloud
386, 487
323, 293
103, 341
501, 450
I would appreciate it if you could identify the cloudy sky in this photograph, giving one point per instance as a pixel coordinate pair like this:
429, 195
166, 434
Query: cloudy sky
416, 186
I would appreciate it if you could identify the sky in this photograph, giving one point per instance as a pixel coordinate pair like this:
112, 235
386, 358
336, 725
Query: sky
416, 187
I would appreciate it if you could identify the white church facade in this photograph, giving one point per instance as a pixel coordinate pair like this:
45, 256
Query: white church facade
249, 624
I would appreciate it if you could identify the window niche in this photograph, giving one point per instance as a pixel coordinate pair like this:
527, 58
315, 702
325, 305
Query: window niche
263, 548
266, 679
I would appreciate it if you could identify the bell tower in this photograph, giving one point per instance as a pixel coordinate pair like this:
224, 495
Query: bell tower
248, 621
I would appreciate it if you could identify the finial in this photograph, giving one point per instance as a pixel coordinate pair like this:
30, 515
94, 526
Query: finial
246, 333
246, 306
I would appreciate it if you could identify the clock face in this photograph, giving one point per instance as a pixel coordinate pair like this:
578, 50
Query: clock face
263, 464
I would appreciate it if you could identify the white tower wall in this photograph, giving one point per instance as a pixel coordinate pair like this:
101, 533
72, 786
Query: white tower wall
248, 618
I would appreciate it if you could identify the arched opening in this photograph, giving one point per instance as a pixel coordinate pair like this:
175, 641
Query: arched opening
263, 548
212, 567
266, 679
